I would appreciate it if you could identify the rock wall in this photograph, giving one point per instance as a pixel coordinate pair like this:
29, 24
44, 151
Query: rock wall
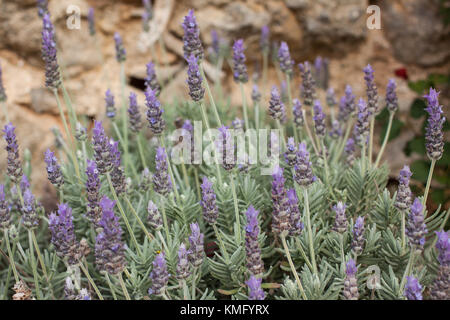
412, 37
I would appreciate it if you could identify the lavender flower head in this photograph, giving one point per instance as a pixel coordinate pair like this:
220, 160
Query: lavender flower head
225, 146
14, 166
154, 217
340, 221
308, 84
110, 108
237, 124
280, 203
42, 6
195, 79
319, 119
277, 109
336, 130
403, 200
161, 179
264, 41
413, 289
109, 248
53, 169
151, 81
93, 185
215, 49
134, 114
91, 21
192, 44
433, 133
284, 58
102, 148
371, 90
290, 155
297, 113
255, 290
52, 75
183, 269
147, 16
350, 291
295, 216
303, 169
443, 246
5, 217
159, 275
347, 105
156, 122
440, 288
208, 202
252, 248
117, 172
196, 250
349, 151
256, 95
358, 241
30, 218
331, 98
239, 68
63, 234
391, 96
416, 228
121, 54
3, 96
362, 123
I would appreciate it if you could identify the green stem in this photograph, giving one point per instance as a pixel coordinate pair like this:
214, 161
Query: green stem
11, 256
280, 127
91, 281
124, 112
5, 111
111, 288
236, 208
244, 105
124, 288
427, 187
372, 127
141, 149
197, 184
386, 138
256, 112
265, 68
221, 244
122, 212
309, 226
164, 217
211, 98
72, 115
343, 141
149, 236
327, 170
33, 267
288, 84
169, 165
407, 271
41, 260
308, 131
185, 175
303, 253
291, 264
403, 230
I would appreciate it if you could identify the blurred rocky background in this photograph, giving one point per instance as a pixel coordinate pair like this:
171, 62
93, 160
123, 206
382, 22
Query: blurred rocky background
412, 46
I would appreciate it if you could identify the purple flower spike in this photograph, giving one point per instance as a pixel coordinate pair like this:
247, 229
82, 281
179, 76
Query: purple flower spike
413, 289
349, 151
14, 166
298, 113
434, 137
194, 80
63, 234
225, 146
42, 6
255, 290
319, 119
290, 155
161, 180
362, 123
443, 246
208, 202
347, 105
253, 251
277, 109
183, 268
121, 54
30, 218
155, 120
192, 44
358, 241
93, 185
331, 98
151, 81
308, 84
340, 221
5, 217
109, 248
416, 228
134, 114
391, 96
403, 200
372, 92
159, 275
102, 148
280, 203
264, 41
3, 96
147, 16
336, 130
284, 58
295, 216
440, 288
239, 69
350, 291
53, 169
154, 217
196, 250
303, 169
91, 21
237, 124
117, 172
256, 95
52, 75
110, 108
